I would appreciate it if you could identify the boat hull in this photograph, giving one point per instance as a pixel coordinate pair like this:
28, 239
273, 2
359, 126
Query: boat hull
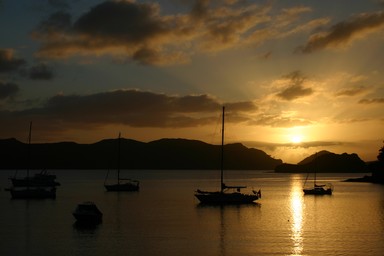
317, 191
122, 187
226, 198
88, 218
32, 182
33, 193
87, 213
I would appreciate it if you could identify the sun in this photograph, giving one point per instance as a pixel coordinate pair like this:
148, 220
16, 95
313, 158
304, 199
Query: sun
295, 135
296, 139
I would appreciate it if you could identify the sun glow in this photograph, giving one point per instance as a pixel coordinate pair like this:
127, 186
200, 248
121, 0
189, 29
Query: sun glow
295, 135
296, 139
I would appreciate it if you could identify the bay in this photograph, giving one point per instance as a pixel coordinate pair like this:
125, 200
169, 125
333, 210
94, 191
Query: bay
164, 217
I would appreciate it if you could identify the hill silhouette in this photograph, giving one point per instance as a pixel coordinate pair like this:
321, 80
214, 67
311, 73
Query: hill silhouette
325, 161
159, 154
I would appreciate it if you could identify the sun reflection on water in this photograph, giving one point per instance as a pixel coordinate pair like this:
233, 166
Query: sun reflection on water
296, 207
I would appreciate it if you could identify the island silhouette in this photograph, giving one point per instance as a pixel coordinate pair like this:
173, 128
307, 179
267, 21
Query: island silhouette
326, 162
171, 154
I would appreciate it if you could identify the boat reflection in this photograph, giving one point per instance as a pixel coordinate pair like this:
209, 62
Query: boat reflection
229, 222
296, 207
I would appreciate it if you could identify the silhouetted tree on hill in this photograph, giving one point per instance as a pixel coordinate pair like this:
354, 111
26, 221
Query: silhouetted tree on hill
380, 156
378, 167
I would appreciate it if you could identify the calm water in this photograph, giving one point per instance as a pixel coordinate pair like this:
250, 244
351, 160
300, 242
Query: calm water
164, 218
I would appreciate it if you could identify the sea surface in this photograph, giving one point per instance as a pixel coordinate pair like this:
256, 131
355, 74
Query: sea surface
164, 217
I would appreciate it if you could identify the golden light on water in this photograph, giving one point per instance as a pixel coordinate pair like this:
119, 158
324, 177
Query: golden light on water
296, 206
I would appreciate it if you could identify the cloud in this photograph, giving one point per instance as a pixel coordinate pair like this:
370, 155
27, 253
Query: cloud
242, 106
59, 4
294, 88
123, 21
40, 72
8, 90
8, 62
344, 32
200, 9
112, 27
279, 120
139, 32
295, 91
307, 26
372, 101
267, 55
353, 91
126, 107
307, 144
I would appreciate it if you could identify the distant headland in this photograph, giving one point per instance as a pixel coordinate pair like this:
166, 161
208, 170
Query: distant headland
172, 154
325, 161
167, 154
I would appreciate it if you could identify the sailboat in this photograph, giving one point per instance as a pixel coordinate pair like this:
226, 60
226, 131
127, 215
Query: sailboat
123, 184
41, 179
226, 194
32, 193
317, 189
87, 213
40, 186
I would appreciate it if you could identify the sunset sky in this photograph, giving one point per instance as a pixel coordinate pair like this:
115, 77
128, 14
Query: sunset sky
296, 77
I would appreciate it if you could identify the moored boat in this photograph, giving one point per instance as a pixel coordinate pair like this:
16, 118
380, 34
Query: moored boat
317, 189
41, 179
87, 212
227, 197
127, 185
33, 193
40, 186
123, 184
227, 194
324, 189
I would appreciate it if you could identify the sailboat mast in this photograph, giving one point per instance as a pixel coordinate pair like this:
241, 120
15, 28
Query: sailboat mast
222, 152
29, 150
118, 160
314, 180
